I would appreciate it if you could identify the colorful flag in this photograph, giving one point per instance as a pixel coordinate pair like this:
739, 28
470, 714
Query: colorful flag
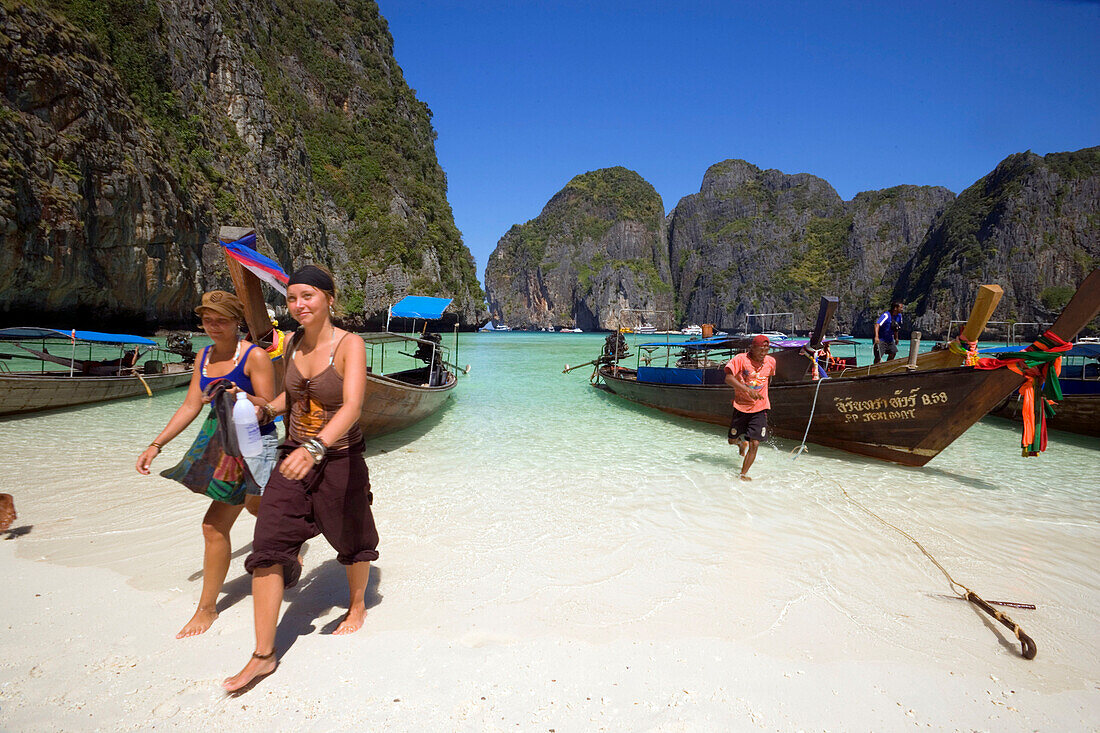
262, 267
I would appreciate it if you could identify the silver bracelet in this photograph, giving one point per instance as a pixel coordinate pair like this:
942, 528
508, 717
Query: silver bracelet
316, 449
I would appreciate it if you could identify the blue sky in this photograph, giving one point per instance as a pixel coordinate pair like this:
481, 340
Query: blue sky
526, 95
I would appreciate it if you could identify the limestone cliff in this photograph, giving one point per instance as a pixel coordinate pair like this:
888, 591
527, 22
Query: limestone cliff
755, 241
761, 241
887, 227
597, 247
130, 131
1032, 226
751, 241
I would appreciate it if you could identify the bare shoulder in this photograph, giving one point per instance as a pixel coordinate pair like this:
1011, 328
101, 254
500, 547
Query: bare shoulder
348, 339
350, 345
257, 355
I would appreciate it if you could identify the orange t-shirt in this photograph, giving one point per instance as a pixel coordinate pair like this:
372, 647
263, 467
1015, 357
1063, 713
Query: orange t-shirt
741, 366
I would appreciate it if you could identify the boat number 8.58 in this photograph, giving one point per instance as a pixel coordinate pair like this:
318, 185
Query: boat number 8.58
935, 398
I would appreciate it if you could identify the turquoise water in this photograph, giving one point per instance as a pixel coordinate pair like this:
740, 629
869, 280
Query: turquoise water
534, 504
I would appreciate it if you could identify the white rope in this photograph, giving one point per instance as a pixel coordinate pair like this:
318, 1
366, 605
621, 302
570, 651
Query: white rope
802, 448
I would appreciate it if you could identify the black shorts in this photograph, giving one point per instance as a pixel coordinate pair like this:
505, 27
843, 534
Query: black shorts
888, 349
751, 425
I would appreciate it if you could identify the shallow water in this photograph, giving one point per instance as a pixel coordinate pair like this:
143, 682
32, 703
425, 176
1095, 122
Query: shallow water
534, 505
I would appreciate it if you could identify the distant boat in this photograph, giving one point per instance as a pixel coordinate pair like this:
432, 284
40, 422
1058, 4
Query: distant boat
843, 337
571, 330
646, 328
81, 381
692, 330
774, 335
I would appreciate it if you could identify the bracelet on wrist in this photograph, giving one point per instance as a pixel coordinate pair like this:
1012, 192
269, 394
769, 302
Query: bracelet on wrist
316, 449
157, 445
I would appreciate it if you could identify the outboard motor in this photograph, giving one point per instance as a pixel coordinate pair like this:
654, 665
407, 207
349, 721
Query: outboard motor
614, 348
430, 355
180, 343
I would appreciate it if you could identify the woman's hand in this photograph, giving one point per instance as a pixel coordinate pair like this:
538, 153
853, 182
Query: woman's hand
297, 464
146, 458
231, 391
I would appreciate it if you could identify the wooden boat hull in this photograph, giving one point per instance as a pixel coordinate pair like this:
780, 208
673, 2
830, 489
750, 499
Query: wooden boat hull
20, 393
1075, 413
391, 403
907, 418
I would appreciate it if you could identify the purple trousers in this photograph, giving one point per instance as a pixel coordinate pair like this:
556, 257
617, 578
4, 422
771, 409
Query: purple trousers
333, 499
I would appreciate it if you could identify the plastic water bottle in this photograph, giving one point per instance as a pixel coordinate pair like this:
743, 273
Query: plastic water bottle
247, 427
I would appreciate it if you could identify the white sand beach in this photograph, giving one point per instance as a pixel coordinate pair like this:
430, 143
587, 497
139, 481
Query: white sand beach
533, 583
84, 650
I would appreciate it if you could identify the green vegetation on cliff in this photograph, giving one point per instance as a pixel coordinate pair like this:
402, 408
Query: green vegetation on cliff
964, 231
586, 208
330, 82
819, 261
621, 194
125, 31
362, 160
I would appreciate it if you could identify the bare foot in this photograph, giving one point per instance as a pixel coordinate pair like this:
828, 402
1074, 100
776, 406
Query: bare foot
742, 446
7, 511
745, 477
352, 622
199, 623
257, 667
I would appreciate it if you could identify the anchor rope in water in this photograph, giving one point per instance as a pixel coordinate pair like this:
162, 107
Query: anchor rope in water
1027, 645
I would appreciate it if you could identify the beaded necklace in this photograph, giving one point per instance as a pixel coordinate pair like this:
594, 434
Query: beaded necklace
236, 358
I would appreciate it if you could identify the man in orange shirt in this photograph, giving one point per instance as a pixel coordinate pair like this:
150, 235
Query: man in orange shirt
749, 374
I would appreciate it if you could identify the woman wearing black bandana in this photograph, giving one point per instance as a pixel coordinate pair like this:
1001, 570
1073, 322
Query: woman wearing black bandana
320, 485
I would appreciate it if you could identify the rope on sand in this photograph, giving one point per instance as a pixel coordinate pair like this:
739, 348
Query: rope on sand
1027, 645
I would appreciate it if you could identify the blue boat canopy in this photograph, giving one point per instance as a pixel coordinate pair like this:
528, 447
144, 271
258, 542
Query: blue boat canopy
419, 306
710, 343
33, 333
1091, 351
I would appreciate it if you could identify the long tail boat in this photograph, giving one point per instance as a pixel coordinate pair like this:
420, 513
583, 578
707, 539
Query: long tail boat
905, 412
393, 400
80, 381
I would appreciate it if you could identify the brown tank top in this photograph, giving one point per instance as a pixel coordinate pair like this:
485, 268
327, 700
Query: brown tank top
314, 401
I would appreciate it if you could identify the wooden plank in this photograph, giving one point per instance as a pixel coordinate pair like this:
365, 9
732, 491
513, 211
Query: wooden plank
1080, 310
989, 296
793, 365
825, 313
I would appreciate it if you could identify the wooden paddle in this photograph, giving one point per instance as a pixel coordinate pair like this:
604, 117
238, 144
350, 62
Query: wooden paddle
248, 288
